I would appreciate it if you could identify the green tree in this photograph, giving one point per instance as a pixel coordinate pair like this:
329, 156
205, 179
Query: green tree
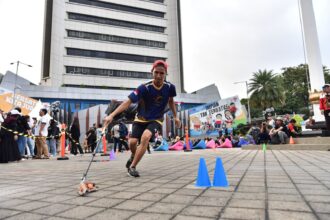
265, 89
326, 72
295, 83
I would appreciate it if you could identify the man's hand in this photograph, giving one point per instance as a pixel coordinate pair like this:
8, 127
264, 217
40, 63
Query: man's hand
107, 121
177, 123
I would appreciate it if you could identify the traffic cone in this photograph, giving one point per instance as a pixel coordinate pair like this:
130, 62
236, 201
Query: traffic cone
264, 147
104, 142
291, 140
203, 179
63, 157
112, 155
219, 178
188, 146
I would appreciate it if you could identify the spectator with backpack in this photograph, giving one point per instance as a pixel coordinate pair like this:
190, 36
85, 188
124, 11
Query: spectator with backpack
52, 137
123, 132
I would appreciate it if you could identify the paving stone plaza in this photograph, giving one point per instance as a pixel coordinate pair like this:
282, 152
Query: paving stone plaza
263, 185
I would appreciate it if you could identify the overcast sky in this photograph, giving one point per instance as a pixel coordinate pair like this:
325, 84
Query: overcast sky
224, 41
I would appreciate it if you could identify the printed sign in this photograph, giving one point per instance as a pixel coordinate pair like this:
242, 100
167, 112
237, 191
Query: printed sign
26, 103
208, 119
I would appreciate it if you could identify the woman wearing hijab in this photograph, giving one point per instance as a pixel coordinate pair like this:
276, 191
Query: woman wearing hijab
8, 140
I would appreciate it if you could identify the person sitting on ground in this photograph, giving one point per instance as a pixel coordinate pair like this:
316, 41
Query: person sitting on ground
270, 120
195, 142
254, 131
263, 136
222, 139
310, 122
158, 140
177, 138
235, 140
292, 129
226, 142
286, 119
279, 134
299, 120
217, 141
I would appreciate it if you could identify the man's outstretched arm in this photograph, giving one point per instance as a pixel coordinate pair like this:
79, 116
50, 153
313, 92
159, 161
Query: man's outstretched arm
122, 107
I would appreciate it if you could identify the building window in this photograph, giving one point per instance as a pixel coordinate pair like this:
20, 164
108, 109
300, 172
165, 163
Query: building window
121, 7
160, 1
116, 39
109, 21
111, 55
107, 72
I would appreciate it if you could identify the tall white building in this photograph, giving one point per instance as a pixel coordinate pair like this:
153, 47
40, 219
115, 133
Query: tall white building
110, 43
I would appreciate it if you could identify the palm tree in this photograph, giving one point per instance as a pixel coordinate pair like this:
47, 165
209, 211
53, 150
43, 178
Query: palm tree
265, 89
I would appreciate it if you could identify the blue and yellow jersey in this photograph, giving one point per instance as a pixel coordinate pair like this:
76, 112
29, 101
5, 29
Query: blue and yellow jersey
152, 101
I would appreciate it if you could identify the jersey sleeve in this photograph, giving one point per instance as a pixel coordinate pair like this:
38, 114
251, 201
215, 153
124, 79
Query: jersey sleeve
136, 95
172, 91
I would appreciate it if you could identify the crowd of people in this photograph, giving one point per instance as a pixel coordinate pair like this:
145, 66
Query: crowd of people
40, 139
270, 131
23, 137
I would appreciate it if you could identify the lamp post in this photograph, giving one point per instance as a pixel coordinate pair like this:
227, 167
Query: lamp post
247, 97
15, 87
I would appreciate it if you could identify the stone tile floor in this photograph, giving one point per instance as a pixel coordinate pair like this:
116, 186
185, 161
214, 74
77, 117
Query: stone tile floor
271, 185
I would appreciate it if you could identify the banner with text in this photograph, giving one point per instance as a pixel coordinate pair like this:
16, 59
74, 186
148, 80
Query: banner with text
208, 119
26, 103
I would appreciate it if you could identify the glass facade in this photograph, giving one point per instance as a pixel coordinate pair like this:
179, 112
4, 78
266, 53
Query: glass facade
116, 39
118, 7
111, 55
114, 22
107, 72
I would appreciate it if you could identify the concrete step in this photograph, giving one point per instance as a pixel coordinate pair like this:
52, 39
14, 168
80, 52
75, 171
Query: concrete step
312, 140
320, 147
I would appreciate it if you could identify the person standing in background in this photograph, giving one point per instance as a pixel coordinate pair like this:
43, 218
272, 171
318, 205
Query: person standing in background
325, 105
41, 132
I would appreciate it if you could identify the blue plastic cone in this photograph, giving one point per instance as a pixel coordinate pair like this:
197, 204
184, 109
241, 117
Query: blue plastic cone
112, 155
219, 178
203, 179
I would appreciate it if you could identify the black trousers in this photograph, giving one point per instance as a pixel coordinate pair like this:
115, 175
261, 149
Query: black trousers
327, 119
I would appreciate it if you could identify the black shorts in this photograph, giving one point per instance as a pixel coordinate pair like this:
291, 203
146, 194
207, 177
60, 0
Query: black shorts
140, 127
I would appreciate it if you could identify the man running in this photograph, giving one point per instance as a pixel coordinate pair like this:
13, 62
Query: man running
152, 98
